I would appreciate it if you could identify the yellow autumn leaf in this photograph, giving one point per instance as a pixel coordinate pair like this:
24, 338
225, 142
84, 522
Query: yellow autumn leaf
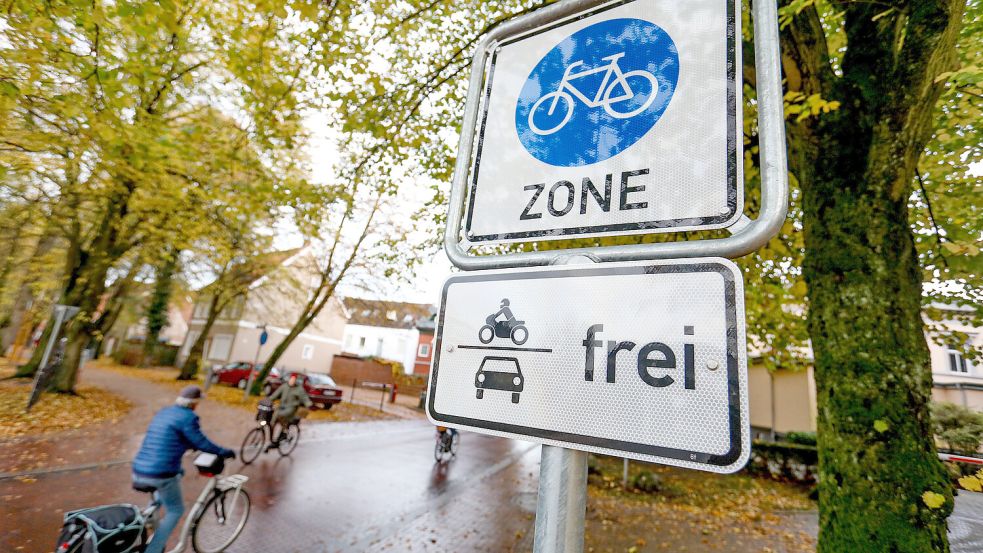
933, 500
971, 483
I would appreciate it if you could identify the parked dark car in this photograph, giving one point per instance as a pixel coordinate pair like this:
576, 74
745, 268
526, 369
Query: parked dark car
321, 388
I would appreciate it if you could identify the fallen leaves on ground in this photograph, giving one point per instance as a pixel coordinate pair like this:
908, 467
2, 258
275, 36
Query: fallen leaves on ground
54, 412
696, 511
228, 395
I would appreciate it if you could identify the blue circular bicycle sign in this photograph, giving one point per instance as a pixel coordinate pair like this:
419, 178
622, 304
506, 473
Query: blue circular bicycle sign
597, 92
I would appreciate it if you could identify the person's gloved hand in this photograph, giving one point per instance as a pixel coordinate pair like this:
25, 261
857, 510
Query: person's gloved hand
229, 454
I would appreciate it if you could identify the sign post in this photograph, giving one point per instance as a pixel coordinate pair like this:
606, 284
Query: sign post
592, 118
263, 337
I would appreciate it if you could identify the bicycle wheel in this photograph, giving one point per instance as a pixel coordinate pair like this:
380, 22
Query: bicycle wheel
454, 441
220, 521
252, 445
553, 122
290, 438
634, 108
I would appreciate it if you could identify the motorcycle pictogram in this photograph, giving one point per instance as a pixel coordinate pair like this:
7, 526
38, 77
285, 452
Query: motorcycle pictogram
507, 327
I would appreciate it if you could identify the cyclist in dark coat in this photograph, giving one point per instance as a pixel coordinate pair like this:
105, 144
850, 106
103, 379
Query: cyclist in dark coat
172, 432
292, 396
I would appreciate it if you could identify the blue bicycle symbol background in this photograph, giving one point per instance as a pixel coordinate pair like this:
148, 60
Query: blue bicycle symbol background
597, 92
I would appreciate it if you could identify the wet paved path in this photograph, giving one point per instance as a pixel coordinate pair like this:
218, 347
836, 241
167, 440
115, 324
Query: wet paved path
347, 487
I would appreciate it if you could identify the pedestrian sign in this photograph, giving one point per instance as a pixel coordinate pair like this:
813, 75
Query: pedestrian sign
639, 359
619, 120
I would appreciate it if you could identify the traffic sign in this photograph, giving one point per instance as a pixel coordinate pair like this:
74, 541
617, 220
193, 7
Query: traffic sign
645, 360
622, 119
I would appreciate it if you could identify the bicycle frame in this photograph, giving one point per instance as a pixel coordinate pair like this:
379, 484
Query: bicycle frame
612, 68
215, 483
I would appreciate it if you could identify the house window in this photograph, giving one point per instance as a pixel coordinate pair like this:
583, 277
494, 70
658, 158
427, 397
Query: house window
308, 352
378, 348
201, 308
957, 361
391, 315
221, 345
424, 350
957, 358
361, 342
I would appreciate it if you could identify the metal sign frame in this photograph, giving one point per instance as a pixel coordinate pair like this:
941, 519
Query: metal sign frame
733, 157
746, 235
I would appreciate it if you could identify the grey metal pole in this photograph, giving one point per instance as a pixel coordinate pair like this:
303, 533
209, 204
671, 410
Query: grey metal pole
53, 337
624, 474
562, 501
771, 381
383, 398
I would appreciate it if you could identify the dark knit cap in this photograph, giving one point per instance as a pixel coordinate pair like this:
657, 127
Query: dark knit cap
191, 392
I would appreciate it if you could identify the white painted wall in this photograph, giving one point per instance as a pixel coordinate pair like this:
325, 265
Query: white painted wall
396, 344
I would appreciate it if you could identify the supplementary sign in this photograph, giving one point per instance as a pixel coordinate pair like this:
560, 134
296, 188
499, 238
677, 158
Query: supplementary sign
642, 359
623, 119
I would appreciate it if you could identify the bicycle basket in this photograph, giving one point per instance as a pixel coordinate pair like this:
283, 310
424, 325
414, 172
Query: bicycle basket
264, 411
209, 464
107, 529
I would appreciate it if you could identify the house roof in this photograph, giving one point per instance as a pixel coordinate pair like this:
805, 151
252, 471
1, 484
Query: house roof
386, 314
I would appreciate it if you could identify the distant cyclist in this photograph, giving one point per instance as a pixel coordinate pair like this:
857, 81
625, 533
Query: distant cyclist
172, 432
292, 396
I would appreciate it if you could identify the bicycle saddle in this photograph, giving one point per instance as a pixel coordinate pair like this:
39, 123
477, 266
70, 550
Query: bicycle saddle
145, 488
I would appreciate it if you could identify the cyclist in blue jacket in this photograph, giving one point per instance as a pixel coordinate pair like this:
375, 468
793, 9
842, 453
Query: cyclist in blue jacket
172, 432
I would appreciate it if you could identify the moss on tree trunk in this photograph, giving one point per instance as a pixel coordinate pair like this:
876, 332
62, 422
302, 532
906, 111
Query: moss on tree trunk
882, 486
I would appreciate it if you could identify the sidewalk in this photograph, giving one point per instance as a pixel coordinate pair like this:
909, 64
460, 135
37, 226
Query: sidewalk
404, 408
115, 442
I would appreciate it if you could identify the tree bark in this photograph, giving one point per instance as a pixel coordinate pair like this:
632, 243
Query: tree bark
157, 310
873, 372
191, 365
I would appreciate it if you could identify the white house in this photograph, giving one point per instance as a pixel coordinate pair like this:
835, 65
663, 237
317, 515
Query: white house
384, 329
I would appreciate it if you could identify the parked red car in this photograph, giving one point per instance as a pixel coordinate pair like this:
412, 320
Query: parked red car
321, 388
235, 374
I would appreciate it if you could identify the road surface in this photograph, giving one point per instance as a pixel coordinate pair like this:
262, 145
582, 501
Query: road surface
347, 487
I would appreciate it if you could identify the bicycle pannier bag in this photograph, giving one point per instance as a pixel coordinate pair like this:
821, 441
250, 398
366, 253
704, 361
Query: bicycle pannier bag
106, 529
209, 464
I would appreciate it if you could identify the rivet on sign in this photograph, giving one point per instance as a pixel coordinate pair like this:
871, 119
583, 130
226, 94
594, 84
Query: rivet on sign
450, 349
713, 365
724, 210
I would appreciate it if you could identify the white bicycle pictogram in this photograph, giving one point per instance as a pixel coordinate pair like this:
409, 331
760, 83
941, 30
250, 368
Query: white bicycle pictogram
604, 98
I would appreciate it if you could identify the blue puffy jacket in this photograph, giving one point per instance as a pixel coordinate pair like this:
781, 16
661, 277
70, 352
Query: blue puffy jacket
173, 431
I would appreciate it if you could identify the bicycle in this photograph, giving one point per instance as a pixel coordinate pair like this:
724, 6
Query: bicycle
604, 98
261, 439
446, 446
215, 521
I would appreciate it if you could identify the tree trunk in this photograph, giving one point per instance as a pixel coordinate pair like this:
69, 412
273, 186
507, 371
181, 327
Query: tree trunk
67, 373
275, 356
881, 484
189, 370
311, 311
28, 369
157, 310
